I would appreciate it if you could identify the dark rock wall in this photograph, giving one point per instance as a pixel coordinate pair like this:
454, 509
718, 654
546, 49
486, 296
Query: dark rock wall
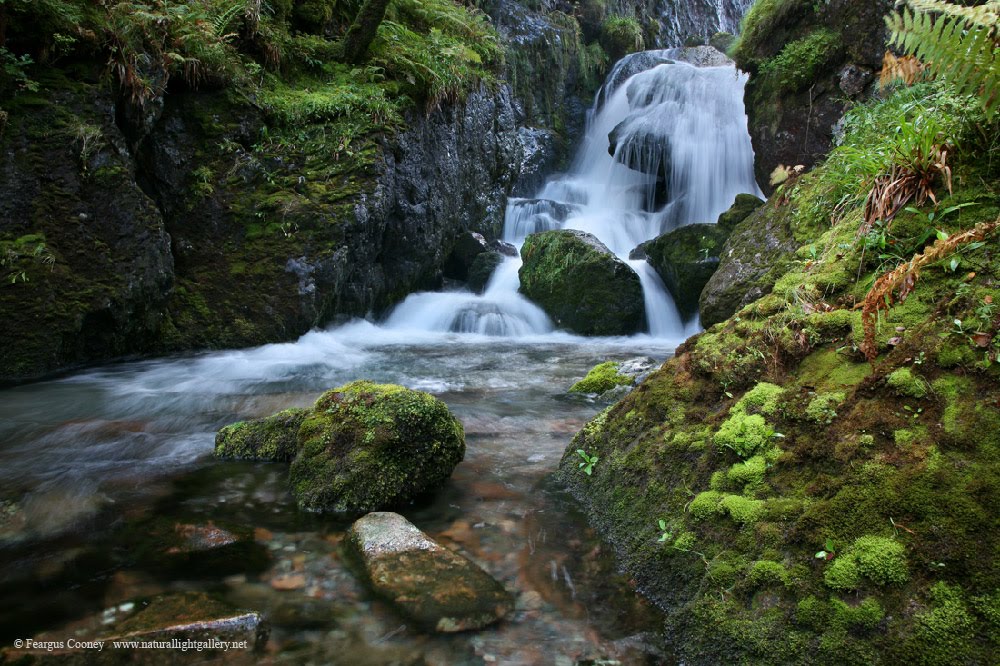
794, 123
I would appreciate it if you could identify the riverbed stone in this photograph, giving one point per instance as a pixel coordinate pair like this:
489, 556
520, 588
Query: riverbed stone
366, 447
581, 284
434, 587
273, 438
193, 616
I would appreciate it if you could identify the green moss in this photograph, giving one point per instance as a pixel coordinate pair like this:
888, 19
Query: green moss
621, 35
905, 383
881, 559
823, 408
743, 510
602, 377
273, 438
800, 61
705, 504
944, 633
866, 615
764, 398
367, 447
843, 574
748, 475
743, 434
764, 573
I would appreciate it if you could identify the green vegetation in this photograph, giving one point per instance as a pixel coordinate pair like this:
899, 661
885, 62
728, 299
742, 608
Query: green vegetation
960, 44
602, 377
886, 463
621, 35
273, 438
798, 62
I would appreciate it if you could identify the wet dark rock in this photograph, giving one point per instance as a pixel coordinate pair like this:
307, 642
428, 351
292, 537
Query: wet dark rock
192, 616
685, 259
366, 447
273, 438
758, 249
539, 159
722, 41
91, 247
169, 547
643, 149
796, 125
434, 587
468, 246
482, 269
581, 284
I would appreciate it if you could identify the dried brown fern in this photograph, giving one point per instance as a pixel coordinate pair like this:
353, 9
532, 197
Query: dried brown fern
897, 284
910, 182
907, 69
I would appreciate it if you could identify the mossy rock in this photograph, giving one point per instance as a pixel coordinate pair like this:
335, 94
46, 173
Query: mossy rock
273, 438
581, 284
685, 260
602, 377
366, 447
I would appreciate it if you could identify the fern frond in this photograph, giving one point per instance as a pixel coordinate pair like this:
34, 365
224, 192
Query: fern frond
959, 44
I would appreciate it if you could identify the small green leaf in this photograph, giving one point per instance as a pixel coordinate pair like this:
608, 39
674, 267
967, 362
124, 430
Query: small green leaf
821, 555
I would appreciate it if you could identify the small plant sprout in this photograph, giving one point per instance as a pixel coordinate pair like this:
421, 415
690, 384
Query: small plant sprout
588, 462
666, 534
828, 552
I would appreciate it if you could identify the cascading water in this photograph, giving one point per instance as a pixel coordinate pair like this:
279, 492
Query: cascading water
680, 153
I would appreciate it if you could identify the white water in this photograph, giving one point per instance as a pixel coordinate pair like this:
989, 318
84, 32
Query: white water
682, 156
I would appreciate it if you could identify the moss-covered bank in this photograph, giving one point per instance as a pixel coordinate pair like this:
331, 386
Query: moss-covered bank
788, 502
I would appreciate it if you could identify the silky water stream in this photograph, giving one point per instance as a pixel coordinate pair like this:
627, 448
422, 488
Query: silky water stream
97, 466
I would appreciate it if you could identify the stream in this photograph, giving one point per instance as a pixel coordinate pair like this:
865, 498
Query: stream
100, 467
142, 435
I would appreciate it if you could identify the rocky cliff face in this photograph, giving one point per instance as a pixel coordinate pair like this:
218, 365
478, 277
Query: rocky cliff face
809, 62
202, 233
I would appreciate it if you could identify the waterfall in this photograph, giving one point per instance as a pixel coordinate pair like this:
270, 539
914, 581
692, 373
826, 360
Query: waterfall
679, 154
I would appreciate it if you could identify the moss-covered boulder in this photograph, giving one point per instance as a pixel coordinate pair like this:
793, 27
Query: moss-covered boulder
739, 211
685, 259
757, 251
368, 446
437, 589
273, 438
788, 500
610, 380
581, 284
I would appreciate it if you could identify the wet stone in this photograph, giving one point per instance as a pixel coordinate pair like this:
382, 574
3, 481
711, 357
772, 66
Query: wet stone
434, 587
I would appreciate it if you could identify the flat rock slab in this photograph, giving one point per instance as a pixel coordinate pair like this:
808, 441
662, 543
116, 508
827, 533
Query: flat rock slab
436, 588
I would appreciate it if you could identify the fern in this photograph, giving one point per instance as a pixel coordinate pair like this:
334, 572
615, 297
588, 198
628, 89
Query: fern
959, 44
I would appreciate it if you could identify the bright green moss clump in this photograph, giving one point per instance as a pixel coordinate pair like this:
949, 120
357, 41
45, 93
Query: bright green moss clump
748, 475
765, 572
742, 509
905, 383
367, 447
746, 435
706, 504
764, 398
273, 438
880, 559
602, 377
799, 61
